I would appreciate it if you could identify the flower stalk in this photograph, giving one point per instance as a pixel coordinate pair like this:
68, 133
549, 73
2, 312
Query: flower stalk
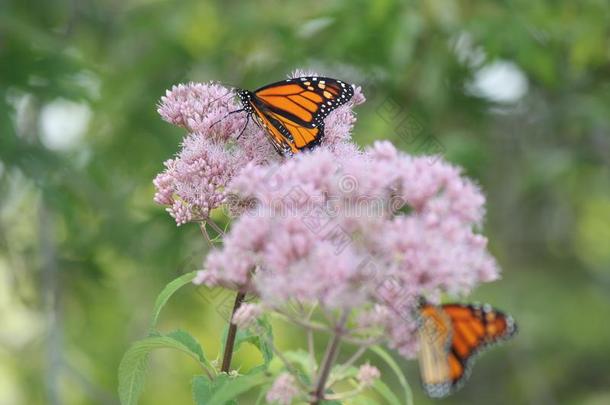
332, 351
230, 342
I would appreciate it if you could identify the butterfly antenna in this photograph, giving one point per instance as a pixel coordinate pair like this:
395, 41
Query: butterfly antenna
231, 112
221, 97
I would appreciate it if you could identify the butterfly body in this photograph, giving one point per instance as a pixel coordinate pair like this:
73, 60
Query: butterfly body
292, 111
451, 335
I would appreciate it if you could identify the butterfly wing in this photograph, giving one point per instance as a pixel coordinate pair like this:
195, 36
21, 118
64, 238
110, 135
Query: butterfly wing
280, 137
434, 362
305, 101
450, 338
293, 111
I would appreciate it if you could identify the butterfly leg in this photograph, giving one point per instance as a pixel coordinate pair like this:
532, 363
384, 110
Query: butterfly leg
244, 128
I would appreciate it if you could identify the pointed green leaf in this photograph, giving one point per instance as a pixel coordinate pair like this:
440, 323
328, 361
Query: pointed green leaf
132, 370
234, 387
386, 392
260, 335
204, 389
189, 341
399, 374
166, 294
132, 373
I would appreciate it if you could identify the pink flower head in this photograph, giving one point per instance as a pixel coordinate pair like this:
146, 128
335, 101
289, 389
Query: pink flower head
194, 182
246, 315
197, 106
284, 390
367, 375
370, 231
220, 144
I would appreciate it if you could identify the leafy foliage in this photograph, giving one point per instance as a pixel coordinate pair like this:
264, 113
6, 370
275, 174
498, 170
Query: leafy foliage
224, 389
166, 294
133, 367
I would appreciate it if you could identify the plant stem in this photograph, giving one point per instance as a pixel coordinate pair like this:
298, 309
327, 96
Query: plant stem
230, 342
329, 358
216, 227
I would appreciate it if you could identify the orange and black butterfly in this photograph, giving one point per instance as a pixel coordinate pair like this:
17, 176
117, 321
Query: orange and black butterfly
450, 337
292, 111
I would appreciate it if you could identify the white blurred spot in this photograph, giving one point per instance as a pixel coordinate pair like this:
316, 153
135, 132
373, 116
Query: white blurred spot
63, 123
501, 81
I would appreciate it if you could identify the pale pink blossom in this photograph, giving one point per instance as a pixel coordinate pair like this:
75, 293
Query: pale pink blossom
218, 145
367, 375
246, 315
369, 232
374, 229
284, 390
197, 106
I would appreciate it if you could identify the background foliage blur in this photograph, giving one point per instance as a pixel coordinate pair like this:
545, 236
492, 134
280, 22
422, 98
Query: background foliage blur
517, 92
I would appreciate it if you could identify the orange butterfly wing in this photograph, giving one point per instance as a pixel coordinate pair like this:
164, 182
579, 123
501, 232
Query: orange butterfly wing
285, 136
293, 111
450, 337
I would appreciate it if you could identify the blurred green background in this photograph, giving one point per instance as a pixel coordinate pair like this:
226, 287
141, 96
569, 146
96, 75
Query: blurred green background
517, 92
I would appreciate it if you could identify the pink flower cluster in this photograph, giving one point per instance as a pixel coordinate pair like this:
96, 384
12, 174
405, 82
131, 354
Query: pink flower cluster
369, 231
367, 374
194, 182
284, 390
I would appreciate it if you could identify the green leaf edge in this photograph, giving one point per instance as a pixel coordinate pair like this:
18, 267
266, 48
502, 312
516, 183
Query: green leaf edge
134, 364
396, 368
235, 387
166, 294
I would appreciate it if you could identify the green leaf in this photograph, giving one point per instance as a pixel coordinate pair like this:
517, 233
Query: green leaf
259, 335
262, 395
339, 372
363, 400
386, 392
396, 368
204, 389
166, 294
132, 373
301, 358
225, 389
132, 370
189, 341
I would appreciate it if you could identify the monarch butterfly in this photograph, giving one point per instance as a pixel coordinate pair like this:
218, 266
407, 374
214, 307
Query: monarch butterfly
292, 111
450, 336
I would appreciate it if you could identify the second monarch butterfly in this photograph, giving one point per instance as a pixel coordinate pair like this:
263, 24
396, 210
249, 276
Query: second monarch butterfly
450, 336
292, 111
